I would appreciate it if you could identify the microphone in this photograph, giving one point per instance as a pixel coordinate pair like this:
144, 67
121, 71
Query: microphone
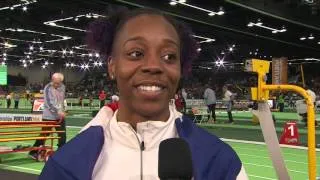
175, 162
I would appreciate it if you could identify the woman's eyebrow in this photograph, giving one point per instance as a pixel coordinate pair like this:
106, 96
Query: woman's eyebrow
140, 38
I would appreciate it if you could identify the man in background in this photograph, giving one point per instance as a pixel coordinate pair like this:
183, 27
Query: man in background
281, 102
102, 98
8, 99
228, 99
313, 99
210, 100
16, 99
54, 94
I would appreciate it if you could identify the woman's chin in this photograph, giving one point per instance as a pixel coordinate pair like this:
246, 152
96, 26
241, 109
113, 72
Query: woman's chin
154, 112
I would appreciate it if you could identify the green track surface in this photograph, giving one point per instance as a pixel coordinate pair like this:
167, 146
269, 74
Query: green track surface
254, 157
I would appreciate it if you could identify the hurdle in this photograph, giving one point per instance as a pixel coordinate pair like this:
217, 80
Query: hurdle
28, 127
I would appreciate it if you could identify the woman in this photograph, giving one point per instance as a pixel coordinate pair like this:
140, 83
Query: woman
147, 51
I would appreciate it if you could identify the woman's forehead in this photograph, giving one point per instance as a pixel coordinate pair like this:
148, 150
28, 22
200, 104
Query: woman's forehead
149, 26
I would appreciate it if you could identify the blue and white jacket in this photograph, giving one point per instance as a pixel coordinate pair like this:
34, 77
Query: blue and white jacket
78, 159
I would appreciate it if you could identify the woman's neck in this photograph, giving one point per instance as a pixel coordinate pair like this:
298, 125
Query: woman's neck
131, 117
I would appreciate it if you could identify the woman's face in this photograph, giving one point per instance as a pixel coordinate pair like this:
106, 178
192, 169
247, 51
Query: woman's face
146, 64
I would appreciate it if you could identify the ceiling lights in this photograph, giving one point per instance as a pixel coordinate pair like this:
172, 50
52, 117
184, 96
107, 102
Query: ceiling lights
204, 39
209, 12
23, 5
76, 18
260, 24
310, 37
20, 30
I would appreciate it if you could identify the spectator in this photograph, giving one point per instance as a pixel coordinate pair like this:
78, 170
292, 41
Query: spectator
16, 100
281, 102
313, 99
90, 101
54, 94
184, 99
102, 98
178, 101
8, 98
228, 98
210, 100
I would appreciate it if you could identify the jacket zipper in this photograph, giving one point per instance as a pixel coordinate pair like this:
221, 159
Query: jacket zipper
142, 147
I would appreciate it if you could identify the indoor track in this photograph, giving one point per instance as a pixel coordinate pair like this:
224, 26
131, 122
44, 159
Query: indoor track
243, 139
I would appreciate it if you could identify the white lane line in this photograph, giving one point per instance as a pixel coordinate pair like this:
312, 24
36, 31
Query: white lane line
18, 167
259, 165
74, 127
263, 143
265, 151
298, 162
260, 177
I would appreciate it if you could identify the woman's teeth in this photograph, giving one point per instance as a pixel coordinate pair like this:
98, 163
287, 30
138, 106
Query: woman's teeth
149, 88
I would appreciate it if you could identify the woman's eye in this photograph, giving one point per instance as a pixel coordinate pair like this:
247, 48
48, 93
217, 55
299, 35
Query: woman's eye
135, 54
169, 57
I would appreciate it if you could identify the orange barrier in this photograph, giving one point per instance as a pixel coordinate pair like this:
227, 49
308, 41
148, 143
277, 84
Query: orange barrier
45, 130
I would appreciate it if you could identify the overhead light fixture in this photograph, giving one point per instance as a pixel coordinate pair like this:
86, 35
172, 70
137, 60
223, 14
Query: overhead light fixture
319, 42
211, 13
67, 64
199, 49
25, 65
173, 3
4, 58
231, 49
89, 15
76, 18
90, 54
46, 63
70, 52
72, 65
4, 54
3, 63
260, 24
64, 51
31, 48
100, 63
43, 66
221, 11
303, 38
28, 56
24, 8
222, 53
30, 61
52, 24
283, 29
311, 37
97, 55
250, 52
95, 63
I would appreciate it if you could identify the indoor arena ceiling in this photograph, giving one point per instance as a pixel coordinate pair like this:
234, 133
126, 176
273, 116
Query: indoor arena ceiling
53, 31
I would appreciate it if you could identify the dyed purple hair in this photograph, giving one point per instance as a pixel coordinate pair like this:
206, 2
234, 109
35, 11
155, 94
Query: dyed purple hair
101, 35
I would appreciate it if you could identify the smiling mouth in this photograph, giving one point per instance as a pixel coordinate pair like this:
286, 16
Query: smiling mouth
150, 88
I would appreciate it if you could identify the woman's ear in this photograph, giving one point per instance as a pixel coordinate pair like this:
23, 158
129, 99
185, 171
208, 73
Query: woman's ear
111, 68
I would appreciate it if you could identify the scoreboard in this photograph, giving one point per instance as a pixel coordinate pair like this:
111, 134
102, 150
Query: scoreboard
3, 75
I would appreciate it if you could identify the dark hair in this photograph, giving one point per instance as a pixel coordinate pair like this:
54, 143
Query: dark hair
101, 34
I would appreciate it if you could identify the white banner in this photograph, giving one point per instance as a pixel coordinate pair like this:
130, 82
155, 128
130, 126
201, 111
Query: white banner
20, 118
